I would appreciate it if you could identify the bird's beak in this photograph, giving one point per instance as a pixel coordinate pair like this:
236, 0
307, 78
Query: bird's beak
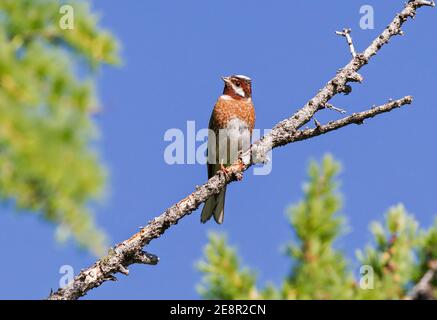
226, 79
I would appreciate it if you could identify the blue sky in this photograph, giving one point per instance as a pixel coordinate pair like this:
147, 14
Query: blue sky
174, 53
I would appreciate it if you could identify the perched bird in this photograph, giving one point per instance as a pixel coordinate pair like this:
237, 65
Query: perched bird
230, 131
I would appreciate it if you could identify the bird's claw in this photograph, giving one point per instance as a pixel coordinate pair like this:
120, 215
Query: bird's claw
224, 170
227, 172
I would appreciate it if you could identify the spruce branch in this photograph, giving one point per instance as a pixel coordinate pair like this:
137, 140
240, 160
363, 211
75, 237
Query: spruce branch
287, 131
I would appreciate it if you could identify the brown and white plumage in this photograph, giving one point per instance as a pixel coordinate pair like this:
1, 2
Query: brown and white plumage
231, 125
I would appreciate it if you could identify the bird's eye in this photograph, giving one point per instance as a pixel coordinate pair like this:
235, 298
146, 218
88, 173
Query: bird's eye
238, 84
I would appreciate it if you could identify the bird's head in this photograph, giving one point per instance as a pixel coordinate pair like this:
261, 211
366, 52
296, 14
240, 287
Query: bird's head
238, 87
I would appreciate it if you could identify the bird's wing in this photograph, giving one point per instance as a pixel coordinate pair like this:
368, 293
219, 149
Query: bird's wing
212, 148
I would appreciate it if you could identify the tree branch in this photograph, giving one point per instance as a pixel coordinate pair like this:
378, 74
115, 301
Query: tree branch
347, 34
356, 118
334, 108
423, 290
125, 253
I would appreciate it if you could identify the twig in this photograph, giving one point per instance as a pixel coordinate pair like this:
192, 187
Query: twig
283, 133
347, 34
423, 290
331, 107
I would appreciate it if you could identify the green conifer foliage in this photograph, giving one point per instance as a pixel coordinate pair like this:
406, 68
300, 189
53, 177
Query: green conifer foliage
398, 258
393, 257
317, 224
223, 276
47, 162
428, 257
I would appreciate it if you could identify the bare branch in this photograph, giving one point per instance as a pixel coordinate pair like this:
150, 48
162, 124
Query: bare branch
347, 34
423, 290
424, 3
356, 118
145, 258
334, 108
286, 131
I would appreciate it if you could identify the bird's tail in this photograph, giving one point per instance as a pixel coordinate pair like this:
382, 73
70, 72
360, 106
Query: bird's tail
214, 206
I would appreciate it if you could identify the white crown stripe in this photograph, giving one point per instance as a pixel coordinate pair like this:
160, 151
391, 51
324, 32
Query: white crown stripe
240, 76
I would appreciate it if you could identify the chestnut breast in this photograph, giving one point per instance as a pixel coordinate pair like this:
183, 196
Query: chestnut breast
227, 108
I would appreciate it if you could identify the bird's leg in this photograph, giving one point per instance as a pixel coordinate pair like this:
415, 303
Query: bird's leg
227, 172
224, 169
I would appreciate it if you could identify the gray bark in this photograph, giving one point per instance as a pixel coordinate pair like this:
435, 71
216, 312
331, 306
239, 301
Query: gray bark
287, 131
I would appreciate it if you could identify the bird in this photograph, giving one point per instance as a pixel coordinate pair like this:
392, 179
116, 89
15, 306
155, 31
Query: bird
230, 132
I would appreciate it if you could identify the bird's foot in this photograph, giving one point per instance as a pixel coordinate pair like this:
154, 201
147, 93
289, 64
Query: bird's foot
228, 172
224, 170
